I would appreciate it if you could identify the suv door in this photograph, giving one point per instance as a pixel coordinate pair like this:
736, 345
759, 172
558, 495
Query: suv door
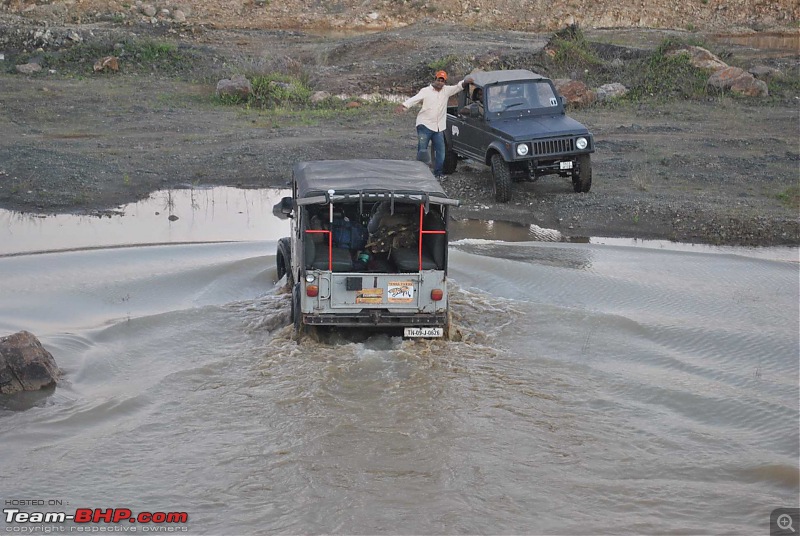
471, 139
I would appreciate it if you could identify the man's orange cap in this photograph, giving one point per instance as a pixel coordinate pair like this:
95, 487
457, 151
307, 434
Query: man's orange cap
441, 74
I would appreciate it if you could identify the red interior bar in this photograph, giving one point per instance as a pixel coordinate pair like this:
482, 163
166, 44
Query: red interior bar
422, 232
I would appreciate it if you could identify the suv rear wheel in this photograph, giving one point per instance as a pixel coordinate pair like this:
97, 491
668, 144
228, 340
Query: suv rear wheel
501, 175
582, 179
450, 161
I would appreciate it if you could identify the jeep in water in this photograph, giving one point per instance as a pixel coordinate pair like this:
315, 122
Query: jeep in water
368, 246
514, 121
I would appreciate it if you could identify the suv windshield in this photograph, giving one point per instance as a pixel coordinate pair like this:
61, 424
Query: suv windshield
530, 95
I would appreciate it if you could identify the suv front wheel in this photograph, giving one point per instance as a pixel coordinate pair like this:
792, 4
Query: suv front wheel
501, 179
582, 178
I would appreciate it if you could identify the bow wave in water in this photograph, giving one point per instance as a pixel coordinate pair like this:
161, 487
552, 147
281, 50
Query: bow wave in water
595, 388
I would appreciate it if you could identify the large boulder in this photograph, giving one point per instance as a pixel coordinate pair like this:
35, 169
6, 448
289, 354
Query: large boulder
25, 365
575, 92
765, 73
29, 68
611, 91
738, 81
237, 86
107, 63
700, 57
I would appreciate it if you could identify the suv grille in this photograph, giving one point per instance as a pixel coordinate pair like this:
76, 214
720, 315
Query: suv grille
564, 145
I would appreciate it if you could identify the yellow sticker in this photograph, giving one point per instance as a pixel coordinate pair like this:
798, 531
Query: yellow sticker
400, 291
370, 295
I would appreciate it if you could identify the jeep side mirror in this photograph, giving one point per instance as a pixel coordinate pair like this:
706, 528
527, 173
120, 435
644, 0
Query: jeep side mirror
563, 101
284, 209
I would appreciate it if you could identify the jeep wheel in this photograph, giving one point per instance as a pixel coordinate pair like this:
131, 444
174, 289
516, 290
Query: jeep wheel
450, 161
582, 178
501, 175
283, 260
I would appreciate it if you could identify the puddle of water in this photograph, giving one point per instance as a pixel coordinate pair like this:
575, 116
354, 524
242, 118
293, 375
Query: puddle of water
502, 230
223, 214
203, 215
781, 42
517, 232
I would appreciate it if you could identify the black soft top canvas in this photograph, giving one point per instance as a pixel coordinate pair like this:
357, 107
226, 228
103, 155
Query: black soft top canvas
316, 177
484, 78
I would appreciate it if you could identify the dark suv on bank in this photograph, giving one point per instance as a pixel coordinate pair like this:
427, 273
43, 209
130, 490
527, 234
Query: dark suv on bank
514, 121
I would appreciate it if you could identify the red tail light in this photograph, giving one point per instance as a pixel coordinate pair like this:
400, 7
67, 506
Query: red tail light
312, 291
437, 294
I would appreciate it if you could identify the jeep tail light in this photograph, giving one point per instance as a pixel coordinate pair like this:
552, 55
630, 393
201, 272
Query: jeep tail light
312, 291
437, 294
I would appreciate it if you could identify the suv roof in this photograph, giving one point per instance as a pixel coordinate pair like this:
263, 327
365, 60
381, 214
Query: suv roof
316, 177
483, 78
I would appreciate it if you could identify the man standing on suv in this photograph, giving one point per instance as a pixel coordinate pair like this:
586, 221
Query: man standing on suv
432, 118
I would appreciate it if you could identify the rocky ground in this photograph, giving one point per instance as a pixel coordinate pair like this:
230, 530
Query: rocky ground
718, 170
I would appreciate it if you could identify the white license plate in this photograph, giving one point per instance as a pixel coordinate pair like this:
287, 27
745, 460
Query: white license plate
423, 332
566, 165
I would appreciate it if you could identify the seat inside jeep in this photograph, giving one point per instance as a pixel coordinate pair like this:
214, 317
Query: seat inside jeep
390, 245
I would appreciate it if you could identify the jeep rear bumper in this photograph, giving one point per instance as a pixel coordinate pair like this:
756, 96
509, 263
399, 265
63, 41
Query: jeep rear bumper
376, 317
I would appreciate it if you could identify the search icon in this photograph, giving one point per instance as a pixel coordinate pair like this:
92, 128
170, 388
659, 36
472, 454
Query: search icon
785, 522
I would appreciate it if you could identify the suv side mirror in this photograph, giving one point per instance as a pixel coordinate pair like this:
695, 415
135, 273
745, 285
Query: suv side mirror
563, 101
284, 209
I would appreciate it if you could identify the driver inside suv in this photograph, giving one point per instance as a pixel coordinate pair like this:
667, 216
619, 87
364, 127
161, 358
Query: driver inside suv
476, 104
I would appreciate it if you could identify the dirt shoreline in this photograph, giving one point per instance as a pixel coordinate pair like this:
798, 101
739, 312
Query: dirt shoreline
718, 171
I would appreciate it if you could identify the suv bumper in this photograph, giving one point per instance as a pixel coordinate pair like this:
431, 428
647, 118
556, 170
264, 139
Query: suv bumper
378, 318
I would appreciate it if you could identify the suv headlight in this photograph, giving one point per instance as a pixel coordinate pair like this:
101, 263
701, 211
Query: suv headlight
522, 149
581, 143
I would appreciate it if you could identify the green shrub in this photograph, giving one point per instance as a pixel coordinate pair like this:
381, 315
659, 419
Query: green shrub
443, 64
572, 50
786, 87
790, 197
134, 56
664, 76
272, 90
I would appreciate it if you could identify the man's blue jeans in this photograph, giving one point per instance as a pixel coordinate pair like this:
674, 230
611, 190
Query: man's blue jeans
425, 136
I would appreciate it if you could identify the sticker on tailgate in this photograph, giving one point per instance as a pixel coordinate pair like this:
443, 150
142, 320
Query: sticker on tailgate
400, 291
370, 295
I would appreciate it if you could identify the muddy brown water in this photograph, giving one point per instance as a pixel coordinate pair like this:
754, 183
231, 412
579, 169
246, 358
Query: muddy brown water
601, 385
764, 41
